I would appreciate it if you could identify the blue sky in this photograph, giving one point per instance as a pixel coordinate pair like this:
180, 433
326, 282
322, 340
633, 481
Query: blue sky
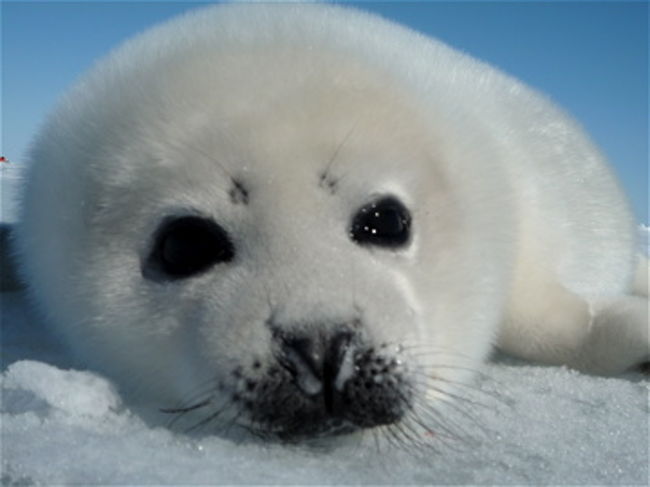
591, 57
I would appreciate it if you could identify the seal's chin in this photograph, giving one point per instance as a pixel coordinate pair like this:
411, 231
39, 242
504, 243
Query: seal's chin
295, 418
314, 428
315, 423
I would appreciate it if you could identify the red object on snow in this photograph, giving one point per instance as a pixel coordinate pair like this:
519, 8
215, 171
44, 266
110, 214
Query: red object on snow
3, 159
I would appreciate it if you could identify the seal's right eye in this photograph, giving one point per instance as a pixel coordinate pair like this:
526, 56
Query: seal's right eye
186, 246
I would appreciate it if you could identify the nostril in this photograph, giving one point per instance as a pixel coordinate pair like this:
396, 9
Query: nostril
335, 369
307, 351
303, 359
337, 353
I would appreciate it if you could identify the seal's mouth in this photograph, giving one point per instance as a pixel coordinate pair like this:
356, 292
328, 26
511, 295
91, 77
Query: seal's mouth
308, 427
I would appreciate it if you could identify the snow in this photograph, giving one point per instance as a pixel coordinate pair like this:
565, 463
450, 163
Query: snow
520, 424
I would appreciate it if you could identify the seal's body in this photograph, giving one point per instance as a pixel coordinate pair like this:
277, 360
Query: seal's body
306, 219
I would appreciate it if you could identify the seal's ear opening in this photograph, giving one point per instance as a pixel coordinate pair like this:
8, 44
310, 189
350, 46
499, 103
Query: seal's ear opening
9, 281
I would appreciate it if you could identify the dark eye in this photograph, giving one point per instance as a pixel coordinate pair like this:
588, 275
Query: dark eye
385, 222
187, 246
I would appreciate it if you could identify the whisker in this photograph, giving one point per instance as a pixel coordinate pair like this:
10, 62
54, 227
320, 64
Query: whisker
233, 421
392, 438
209, 418
203, 388
406, 443
497, 396
185, 409
445, 395
210, 157
375, 437
430, 420
453, 408
433, 350
442, 366
335, 155
418, 438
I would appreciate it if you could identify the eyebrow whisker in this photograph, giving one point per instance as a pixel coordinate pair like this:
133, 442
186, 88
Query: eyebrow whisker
325, 178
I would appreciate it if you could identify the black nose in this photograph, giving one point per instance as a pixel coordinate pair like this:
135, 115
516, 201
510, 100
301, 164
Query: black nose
320, 363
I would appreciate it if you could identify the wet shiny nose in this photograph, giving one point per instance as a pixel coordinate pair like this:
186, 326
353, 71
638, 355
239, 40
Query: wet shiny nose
320, 364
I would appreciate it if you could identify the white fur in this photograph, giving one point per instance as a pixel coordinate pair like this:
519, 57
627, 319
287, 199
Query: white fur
521, 233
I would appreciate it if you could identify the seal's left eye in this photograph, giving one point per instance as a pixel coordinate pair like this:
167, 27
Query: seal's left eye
385, 223
187, 246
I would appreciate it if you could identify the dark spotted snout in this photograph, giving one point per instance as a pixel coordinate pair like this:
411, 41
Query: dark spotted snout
327, 382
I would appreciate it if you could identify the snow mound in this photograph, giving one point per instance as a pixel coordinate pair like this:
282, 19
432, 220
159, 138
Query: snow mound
28, 387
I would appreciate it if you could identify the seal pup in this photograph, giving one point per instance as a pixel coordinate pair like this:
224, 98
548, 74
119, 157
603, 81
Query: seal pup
304, 219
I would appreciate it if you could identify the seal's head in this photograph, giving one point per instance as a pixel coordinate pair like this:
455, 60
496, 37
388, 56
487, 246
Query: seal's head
262, 214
